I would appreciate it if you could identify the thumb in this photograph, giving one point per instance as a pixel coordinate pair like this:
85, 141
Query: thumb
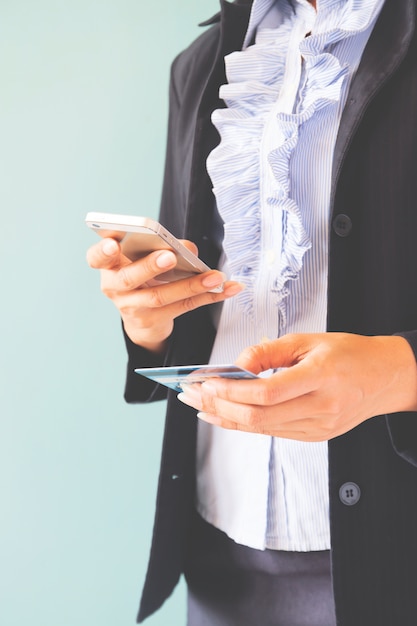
282, 352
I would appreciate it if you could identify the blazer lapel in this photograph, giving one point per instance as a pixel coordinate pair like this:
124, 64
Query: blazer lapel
386, 48
233, 25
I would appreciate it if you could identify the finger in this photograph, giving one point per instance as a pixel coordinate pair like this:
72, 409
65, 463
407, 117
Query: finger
207, 297
105, 254
215, 420
317, 416
283, 386
190, 245
298, 430
282, 352
185, 294
230, 414
286, 423
261, 417
134, 275
144, 315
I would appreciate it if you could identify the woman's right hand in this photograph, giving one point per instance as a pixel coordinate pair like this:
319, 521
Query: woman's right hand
147, 309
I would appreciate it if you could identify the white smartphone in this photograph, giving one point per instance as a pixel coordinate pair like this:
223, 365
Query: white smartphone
140, 236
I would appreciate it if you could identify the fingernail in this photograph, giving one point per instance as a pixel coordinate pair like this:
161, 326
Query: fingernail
233, 289
191, 390
165, 259
182, 397
213, 280
210, 419
109, 247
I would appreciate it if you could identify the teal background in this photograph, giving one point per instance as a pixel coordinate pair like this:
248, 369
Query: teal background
83, 107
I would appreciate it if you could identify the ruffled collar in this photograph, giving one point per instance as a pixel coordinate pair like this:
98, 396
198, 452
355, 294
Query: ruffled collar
264, 113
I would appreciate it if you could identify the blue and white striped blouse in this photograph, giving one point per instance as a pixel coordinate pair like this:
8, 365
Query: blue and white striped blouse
271, 176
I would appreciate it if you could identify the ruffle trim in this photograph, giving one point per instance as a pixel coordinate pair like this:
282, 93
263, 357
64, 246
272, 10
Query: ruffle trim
255, 77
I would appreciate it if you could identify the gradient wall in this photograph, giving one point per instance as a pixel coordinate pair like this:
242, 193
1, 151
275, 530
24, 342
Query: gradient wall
83, 107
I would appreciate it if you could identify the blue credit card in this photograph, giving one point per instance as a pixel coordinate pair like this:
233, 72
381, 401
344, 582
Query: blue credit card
174, 377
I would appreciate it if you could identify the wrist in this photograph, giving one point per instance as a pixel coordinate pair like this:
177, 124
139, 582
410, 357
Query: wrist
152, 342
399, 359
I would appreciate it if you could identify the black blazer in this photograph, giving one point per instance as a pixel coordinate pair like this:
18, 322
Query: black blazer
372, 290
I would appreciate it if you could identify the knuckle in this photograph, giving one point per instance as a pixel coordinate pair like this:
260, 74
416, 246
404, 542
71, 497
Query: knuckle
198, 299
192, 286
155, 298
188, 304
254, 353
129, 311
208, 404
253, 418
332, 406
326, 429
139, 318
109, 293
124, 278
267, 395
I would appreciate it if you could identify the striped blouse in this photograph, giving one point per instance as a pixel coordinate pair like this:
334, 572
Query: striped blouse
271, 176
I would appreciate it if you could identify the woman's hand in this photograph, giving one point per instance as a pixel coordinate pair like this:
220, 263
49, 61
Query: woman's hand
147, 309
331, 383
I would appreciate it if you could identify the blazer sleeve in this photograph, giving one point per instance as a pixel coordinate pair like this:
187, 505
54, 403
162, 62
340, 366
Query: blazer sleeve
184, 99
138, 388
403, 426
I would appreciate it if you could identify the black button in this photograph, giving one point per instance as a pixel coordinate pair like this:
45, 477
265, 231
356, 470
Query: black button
342, 225
349, 494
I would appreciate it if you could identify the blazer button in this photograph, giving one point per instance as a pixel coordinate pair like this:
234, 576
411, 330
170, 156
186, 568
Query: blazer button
349, 494
342, 225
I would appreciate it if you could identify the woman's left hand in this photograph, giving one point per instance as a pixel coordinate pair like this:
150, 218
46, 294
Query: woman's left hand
330, 383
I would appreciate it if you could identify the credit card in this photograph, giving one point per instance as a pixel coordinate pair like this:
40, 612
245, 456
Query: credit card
174, 377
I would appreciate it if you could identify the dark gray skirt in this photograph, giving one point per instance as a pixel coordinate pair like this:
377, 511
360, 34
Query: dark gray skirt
233, 585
